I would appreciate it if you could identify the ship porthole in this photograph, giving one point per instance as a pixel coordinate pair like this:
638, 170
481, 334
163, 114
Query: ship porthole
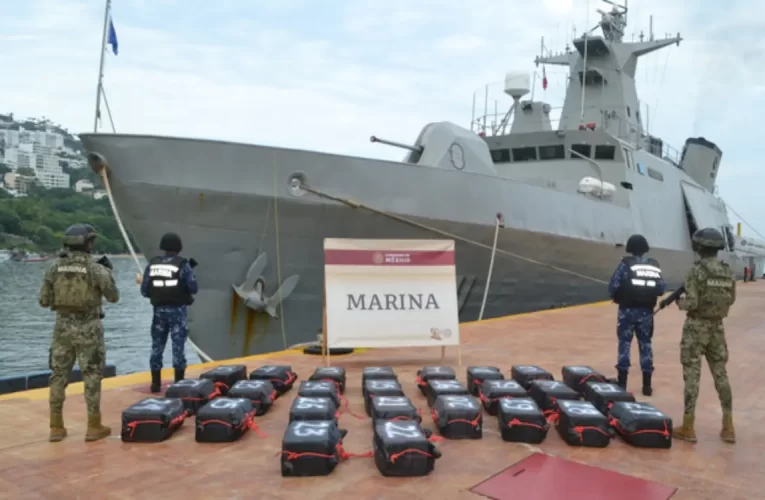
295, 183
457, 156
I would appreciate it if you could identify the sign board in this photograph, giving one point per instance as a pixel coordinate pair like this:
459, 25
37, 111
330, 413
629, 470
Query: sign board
390, 293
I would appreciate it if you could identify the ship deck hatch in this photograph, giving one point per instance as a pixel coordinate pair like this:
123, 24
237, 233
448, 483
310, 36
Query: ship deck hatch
700, 210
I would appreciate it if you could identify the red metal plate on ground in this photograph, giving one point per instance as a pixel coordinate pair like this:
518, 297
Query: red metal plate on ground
542, 477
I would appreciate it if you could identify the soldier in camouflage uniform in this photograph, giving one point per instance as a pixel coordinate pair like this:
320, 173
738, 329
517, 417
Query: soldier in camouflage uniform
635, 286
710, 290
73, 287
169, 283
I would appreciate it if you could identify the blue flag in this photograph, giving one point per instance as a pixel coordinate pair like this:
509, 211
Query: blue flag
112, 40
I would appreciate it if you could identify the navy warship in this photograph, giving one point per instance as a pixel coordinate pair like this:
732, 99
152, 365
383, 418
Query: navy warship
561, 202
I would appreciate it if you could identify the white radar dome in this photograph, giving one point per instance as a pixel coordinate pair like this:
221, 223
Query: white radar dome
517, 84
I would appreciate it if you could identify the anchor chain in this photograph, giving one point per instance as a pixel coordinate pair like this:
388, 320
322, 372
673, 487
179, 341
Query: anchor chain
441, 232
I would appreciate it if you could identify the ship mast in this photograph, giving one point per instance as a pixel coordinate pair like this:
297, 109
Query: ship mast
101, 66
602, 68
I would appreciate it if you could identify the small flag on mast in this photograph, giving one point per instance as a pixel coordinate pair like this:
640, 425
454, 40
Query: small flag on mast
112, 39
544, 78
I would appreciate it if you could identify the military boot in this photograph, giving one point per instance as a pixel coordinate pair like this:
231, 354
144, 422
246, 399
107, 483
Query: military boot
647, 390
179, 374
57, 429
156, 381
728, 433
95, 430
686, 432
622, 380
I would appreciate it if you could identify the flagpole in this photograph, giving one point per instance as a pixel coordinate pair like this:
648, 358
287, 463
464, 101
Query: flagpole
101, 66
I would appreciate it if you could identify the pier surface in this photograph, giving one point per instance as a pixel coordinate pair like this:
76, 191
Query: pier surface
31, 467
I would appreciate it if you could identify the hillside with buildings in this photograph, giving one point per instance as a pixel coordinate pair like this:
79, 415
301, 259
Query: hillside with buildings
40, 152
46, 185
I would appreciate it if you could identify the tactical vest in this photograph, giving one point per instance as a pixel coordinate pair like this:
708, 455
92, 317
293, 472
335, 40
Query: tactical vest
74, 288
165, 285
715, 288
640, 288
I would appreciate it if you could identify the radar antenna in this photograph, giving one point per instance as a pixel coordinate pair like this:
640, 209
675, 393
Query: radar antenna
613, 23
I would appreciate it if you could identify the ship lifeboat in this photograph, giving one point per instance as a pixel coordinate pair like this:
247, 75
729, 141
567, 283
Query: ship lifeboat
595, 187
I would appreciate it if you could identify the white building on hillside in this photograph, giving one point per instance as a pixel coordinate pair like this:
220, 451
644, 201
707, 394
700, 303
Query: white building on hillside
78, 163
18, 183
11, 157
10, 138
44, 157
83, 185
43, 138
25, 158
45, 164
53, 180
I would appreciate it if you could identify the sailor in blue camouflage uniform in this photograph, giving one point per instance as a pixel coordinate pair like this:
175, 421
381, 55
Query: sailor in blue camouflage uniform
636, 286
169, 282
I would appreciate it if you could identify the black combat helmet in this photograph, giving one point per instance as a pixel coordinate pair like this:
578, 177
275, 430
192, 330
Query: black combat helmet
637, 245
171, 242
77, 236
709, 240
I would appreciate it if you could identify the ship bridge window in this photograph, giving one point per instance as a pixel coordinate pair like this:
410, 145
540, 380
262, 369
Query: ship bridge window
524, 154
655, 174
582, 149
556, 152
628, 157
593, 78
500, 155
605, 152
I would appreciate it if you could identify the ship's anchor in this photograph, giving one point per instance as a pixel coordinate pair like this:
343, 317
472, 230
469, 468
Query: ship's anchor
252, 289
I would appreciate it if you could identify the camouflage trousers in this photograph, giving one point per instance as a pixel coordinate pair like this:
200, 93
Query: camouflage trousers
78, 339
704, 338
173, 324
636, 322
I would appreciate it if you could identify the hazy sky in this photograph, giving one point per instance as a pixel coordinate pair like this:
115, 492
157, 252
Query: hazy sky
327, 74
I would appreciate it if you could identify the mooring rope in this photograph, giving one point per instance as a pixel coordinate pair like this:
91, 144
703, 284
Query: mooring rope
105, 179
491, 266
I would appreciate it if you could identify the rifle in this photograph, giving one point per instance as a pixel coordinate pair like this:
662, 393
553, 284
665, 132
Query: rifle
104, 261
672, 298
193, 263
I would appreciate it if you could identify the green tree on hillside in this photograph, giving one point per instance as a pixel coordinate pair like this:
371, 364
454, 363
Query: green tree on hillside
76, 174
25, 171
44, 215
10, 220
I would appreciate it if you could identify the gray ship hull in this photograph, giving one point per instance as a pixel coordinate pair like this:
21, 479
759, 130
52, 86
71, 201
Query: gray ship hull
229, 202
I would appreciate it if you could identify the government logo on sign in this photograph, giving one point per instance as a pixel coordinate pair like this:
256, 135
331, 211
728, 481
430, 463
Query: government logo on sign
378, 258
440, 334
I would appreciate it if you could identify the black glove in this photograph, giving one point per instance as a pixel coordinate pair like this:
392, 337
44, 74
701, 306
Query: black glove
193, 263
104, 261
